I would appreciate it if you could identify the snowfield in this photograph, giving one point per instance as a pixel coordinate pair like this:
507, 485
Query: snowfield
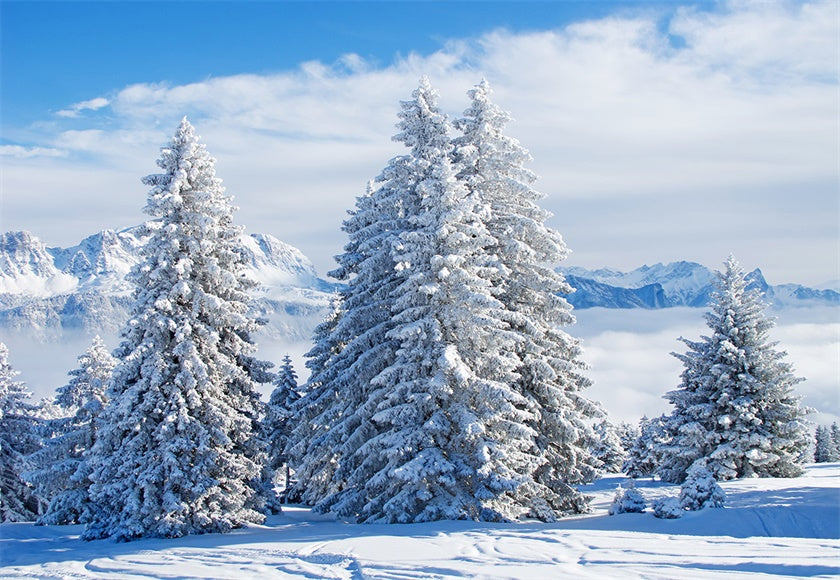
769, 527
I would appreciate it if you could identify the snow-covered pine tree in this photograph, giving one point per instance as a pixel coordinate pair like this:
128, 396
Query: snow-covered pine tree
179, 449
735, 405
835, 440
700, 489
493, 165
60, 473
627, 500
643, 457
332, 420
18, 439
628, 433
452, 437
608, 449
314, 465
276, 425
825, 450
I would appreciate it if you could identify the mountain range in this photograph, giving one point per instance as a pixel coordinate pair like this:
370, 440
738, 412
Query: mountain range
45, 290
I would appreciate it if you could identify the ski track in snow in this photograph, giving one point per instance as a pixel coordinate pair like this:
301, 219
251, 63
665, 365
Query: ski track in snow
781, 528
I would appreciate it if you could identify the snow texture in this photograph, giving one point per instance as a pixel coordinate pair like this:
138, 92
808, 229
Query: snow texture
770, 528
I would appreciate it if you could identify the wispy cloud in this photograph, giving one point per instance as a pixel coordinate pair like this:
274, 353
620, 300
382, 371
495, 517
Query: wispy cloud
21, 152
657, 136
90, 105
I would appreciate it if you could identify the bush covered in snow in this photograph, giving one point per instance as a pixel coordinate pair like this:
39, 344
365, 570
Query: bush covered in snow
628, 500
700, 489
667, 508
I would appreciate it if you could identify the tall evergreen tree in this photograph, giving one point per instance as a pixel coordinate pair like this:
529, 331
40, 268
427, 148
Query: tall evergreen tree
451, 435
493, 165
277, 424
61, 473
822, 445
18, 439
352, 346
735, 405
179, 450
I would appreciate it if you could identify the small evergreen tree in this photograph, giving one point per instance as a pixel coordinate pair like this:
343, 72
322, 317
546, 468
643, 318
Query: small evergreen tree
835, 442
667, 508
608, 449
315, 464
628, 500
825, 449
18, 439
735, 405
700, 489
643, 457
628, 433
61, 474
179, 448
276, 425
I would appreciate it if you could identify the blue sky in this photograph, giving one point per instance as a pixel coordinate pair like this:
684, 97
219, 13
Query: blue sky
660, 130
56, 53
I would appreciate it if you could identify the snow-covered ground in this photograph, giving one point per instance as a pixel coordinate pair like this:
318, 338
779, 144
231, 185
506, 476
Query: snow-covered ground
770, 527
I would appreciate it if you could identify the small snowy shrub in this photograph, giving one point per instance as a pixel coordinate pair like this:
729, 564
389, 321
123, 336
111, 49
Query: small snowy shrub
700, 488
667, 508
627, 501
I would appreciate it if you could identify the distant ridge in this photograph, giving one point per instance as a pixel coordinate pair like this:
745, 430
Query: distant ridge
45, 290
675, 284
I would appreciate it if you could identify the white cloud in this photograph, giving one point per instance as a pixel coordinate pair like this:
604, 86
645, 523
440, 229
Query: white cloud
90, 105
21, 152
648, 151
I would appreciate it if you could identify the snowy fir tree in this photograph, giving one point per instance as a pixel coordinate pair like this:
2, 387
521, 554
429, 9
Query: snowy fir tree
315, 465
826, 449
351, 347
835, 439
405, 412
493, 165
643, 456
179, 449
60, 473
608, 449
628, 433
700, 489
276, 426
735, 405
452, 440
18, 439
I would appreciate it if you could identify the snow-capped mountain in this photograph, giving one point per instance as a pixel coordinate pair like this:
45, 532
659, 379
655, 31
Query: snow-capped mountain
26, 267
47, 290
675, 284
